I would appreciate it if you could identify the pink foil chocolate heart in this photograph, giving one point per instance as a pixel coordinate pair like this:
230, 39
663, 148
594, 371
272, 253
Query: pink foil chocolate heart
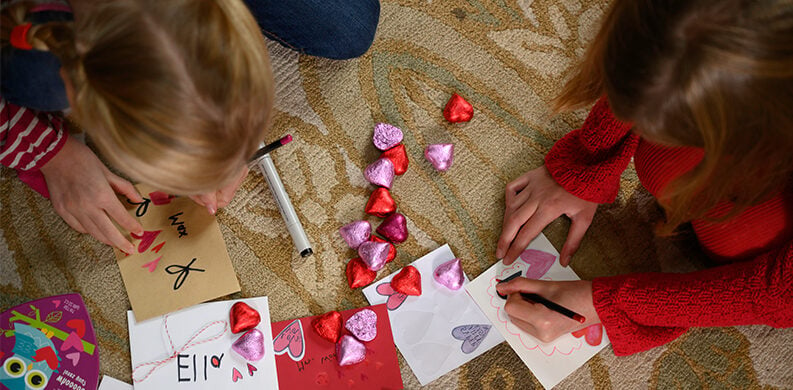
440, 156
450, 274
363, 325
356, 233
394, 228
386, 136
374, 254
380, 172
350, 351
250, 345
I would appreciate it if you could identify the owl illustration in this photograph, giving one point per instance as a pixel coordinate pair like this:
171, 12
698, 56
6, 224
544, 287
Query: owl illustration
34, 360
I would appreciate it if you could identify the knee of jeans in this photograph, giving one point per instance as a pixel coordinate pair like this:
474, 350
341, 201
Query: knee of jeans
357, 36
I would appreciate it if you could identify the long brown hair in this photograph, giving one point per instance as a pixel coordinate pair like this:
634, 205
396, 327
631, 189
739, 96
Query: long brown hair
715, 74
176, 93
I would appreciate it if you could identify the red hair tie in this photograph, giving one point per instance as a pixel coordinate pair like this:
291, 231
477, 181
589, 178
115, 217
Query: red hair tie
19, 36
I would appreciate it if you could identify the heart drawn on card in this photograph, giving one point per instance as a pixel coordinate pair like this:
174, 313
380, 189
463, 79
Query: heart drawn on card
235, 375
471, 335
291, 341
72, 341
146, 239
593, 334
78, 325
74, 357
395, 299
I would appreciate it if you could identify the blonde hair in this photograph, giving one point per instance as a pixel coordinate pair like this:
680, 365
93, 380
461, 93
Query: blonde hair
176, 93
715, 74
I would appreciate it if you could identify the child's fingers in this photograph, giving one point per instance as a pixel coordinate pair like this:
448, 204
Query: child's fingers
578, 227
530, 230
519, 284
123, 187
513, 221
71, 220
118, 213
110, 233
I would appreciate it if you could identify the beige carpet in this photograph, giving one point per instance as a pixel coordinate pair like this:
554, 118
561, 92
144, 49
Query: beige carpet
508, 58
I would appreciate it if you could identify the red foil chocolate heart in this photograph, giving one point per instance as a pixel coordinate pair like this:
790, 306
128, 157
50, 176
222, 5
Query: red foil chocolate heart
358, 274
399, 157
458, 110
243, 317
391, 249
407, 281
380, 203
394, 228
328, 326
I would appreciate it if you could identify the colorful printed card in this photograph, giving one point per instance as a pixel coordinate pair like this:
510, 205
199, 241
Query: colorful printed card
49, 344
439, 330
110, 383
191, 349
307, 361
180, 259
549, 362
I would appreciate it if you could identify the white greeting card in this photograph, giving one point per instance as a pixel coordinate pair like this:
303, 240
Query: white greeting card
191, 349
439, 330
110, 383
549, 362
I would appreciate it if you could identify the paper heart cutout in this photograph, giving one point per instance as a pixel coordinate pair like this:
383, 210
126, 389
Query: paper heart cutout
395, 299
440, 156
356, 233
291, 341
73, 340
78, 325
358, 274
458, 109
471, 335
380, 172
235, 375
407, 281
391, 248
394, 228
450, 274
146, 239
250, 345
159, 198
374, 254
380, 203
386, 136
363, 325
593, 334
399, 157
328, 326
243, 317
74, 357
350, 351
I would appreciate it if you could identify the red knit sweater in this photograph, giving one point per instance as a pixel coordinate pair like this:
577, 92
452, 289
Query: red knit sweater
642, 311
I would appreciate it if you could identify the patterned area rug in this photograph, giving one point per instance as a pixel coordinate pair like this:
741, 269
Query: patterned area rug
509, 59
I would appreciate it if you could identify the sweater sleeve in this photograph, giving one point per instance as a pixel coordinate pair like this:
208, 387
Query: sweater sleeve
643, 311
588, 162
28, 138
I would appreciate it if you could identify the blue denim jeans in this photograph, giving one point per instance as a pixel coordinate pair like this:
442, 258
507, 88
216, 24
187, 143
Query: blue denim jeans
337, 29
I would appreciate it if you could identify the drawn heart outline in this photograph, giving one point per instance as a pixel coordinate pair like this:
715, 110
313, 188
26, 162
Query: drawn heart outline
291, 341
471, 336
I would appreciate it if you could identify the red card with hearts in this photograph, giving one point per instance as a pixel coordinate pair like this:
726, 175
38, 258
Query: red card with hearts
304, 360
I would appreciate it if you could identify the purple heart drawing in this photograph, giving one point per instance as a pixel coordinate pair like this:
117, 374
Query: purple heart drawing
395, 299
471, 335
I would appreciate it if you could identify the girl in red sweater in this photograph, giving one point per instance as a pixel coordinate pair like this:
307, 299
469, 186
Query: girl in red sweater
700, 95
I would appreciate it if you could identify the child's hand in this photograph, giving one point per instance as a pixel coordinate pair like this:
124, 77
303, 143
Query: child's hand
532, 202
540, 321
222, 197
83, 192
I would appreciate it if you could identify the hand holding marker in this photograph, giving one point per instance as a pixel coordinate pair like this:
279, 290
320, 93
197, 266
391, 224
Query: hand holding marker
262, 158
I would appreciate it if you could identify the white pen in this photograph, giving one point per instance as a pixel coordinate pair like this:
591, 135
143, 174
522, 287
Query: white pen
285, 206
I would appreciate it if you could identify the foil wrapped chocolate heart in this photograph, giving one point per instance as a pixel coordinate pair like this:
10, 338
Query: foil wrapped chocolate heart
243, 317
363, 325
399, 157
391, 248
358, 274
386, 136
250, 345
350, 351
394, 228
356, 233
458, 109
440, 156
328, 326
407, 281
373, 254
380, 172
380, 203
450, 274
